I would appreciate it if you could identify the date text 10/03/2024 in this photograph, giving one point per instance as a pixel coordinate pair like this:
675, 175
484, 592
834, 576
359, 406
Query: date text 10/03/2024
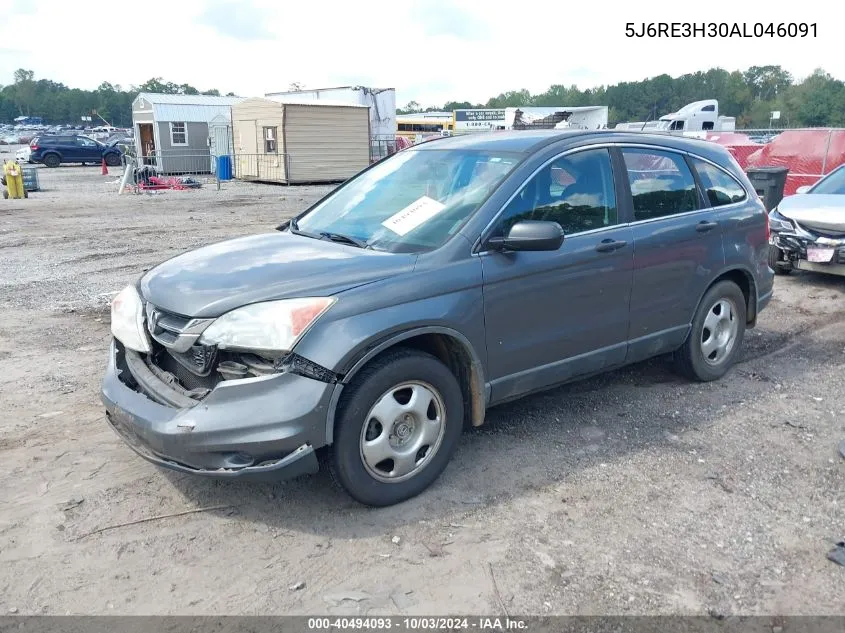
721, 29
418, 624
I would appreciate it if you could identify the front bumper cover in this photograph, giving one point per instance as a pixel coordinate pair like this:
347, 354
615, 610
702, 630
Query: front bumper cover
794, 245
257, 428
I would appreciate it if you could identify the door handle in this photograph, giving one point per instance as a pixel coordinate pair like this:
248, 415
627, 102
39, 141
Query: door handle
609, 245
703, 227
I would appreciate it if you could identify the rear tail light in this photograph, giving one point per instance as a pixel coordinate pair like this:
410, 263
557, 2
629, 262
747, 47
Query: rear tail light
768, 223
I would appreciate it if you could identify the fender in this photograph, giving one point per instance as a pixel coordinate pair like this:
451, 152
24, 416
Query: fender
751, 308
479, 391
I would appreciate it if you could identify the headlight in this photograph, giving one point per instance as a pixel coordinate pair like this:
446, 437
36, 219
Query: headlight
127, 320
777, 222
268, 326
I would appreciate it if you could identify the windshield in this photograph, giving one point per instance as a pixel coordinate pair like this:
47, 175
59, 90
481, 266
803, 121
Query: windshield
413, 201
833, 183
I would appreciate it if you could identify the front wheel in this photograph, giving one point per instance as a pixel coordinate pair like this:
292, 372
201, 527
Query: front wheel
398, 427
716, 334
777, 262
112, 160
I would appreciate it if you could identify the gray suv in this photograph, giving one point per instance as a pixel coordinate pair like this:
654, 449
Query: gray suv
445, 279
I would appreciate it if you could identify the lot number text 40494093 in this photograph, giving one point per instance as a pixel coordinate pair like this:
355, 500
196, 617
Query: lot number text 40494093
420, 623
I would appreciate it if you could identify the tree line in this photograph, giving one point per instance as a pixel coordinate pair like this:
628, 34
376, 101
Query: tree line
750, 96
56, 103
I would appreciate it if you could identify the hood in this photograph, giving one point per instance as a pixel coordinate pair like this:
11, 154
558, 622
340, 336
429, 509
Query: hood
824, 212
214, 279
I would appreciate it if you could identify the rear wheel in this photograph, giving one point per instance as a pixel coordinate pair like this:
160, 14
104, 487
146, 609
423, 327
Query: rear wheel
398, 426
716, 334
52, 160
777, 261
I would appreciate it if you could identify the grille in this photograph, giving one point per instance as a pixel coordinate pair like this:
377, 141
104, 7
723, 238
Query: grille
177, 351
186, 377
172, 330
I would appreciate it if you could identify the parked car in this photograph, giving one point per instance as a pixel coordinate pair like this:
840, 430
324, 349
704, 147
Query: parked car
449, 277
23, 154
808, 228
52, 151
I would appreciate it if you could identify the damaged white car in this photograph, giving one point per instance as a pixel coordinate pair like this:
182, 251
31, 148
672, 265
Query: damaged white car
808, 229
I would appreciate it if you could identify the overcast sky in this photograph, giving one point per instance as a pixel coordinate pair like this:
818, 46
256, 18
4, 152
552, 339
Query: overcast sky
430, 51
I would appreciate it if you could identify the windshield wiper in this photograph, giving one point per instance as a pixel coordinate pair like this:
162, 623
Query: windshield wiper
288, 224
293, 227
347, 239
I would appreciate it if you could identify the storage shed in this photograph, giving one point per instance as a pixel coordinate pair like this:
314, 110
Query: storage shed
175, 133
381, 101
305, 142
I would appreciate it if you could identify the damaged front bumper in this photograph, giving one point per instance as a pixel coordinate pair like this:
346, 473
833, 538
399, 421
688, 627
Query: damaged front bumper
257, 428
807, 250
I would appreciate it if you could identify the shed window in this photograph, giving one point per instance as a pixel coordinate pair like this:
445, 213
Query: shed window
178, 133
269, 140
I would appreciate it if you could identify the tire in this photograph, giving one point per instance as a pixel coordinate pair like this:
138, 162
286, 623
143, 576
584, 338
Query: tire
694, 359
112, 160
777, 262
52, 160
389, 380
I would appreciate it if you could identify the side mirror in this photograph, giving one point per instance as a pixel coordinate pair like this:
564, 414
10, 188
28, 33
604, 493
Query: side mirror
803, 189
529, 235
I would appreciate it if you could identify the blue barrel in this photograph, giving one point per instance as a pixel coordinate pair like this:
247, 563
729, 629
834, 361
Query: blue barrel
224, 167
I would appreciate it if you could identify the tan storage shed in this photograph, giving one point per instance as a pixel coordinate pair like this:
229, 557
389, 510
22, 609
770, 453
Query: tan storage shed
305, 142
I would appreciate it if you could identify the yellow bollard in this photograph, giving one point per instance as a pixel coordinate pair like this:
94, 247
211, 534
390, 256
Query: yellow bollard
13, 176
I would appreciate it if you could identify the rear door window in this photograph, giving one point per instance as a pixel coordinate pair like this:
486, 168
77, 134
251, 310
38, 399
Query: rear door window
661, 183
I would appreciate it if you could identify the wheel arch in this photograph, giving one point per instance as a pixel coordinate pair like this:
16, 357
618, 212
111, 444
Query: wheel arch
51, 152
446, 344
743, 278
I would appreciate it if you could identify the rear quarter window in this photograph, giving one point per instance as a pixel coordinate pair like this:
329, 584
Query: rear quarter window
719, 186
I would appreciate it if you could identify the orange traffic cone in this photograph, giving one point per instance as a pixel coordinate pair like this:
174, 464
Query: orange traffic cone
105, 168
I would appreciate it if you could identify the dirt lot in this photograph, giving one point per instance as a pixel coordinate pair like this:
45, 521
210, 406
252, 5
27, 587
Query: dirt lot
636, 492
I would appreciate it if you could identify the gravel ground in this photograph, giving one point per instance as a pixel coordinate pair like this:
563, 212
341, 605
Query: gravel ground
632, 493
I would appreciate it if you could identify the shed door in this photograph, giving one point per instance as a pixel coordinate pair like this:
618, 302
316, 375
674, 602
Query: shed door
221, 140
246, 165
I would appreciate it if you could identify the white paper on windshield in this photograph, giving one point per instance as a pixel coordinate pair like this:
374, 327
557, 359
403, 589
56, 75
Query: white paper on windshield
412, 216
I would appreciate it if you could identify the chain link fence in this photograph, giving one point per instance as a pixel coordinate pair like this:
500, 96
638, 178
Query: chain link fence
269, 168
